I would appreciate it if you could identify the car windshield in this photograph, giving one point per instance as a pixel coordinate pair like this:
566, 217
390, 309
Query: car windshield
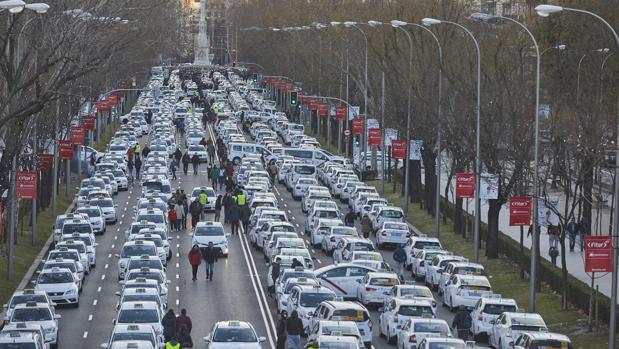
102, 203
146, 275
328, 344
31, 314
283, 228
209, 231
326, 214
415, 310
391, 214
142, 298
25, 298
138, 316
345, 330
55, 278
447, 345
152, 185
350, 315
383, 281
79, 247
427, 245
157, 241
154, 218
63, 255
76, 228
145, 263
297, 274
118, 173
23, 345
91, 212
312, 300
472, 270
415, 292
532, 322
498, 309
550, 344
70, 266
138, 250
432, 327
85, 239
196, 148
243, 335
133, 336
304, 169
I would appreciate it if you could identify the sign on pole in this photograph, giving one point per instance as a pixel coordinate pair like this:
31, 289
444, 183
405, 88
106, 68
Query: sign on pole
77, 135
340, 113
398, 149
374, 136
489, 186
598, 254
323, 109
415, 149
465, 185
519, 211
357, 126
353, 112
26, 185
65, 150
45, 161
89, 122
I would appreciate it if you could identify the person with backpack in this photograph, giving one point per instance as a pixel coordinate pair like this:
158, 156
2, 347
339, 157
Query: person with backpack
399, 256
185, 159
462, 323
210, 149
218, 207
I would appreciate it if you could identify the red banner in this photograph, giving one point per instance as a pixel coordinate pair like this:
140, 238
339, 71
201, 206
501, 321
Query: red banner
26, 185
465, 185
313, 105
374, 136
598, 254
77, 135
323, 109
89, 122
340, 113
45, 161
65, 150
519, 211
357, 126
398, 149
103, 106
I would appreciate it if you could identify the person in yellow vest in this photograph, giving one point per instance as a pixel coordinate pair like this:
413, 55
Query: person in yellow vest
137, 150
241, 199
203, 200
172, 344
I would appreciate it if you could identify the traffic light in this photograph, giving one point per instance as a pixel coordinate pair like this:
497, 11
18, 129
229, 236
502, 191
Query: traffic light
293, 98
357, 140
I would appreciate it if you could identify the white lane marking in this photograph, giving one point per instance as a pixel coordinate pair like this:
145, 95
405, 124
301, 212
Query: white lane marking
178, 236
176, 265
103, 277
295, 218
118, 229
177, 302
115, 237
285, 204
258, 289
318, 260
109, 255
289, 211
85, 334
90, 317
99, 289
177, 276
178, 245
112, 245
125, 209
106, 265
177, 289
313, 252
297, 224
177, 254
123, 216
95, 302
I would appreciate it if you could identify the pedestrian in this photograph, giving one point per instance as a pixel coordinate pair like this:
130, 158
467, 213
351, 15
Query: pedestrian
180, 213
462, 323
138, 166
196, 210
177, 157
281, 331
222, 176
210, 254
210, 149
185, 212
130, 153
349, 219
169, 325
553, 253
184, 338
553, 235
183, 321
235, 217
214, 175
366, 225
195, 259
572, 230
172, 218
173, 169
145, 151
203, 200
195, 162
186, 159
130, 169
218, 207
172, 344
296, 264
582, 233
227, 204
294, 330
399, 256
137, 150
245, 215
275, 270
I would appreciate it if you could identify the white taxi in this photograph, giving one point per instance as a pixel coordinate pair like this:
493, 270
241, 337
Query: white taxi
415, 330
206, 232
134, 249
147, 313
465, 290
38, 313
397, 311
487, 310
233, 334
305, 298
375, 287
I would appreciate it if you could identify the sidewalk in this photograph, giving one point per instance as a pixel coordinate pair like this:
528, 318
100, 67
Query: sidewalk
574, 260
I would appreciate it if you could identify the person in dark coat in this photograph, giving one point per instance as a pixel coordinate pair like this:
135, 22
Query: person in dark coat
185, 159
183, 321
227, 202
177, 156
210, 255
294, 330
138, 167
462, 323
245, 215
195, 259
235, 217
169, 325
210, 149
196, 210
218, 204
296, 263
195, 161
184, 338
145, 151
281, 331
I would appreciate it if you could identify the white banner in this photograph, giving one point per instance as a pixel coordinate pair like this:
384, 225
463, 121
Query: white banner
390, 133
544, 214
414, 149
489, 186
353, 112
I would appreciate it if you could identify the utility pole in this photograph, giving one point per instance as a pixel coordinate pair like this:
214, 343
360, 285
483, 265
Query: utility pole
55, 165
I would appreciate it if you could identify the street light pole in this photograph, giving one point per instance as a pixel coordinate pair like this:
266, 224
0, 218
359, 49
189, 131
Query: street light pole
544, 11
432, 21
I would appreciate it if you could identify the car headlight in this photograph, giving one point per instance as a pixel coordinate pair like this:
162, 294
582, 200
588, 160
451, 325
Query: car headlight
50, 330
71, 291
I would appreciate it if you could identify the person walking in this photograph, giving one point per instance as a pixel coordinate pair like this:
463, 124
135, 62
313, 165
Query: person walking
349, 219
184, 338
186, 159
172, 218
582, 233
185, 211
145, 151
222, 176
281, 331
214, 176
210, 254
169, 325
196, 210
572, 230
462, 323
218, 207
177, 157
229, 170
180, 213
203, 200
275, 270
195, 162
173, 169
183, 321
245, 215
138, 166
294, 330
235, 217
195, 259
210, 149
130, 169
366, 225
227, 204
399, 256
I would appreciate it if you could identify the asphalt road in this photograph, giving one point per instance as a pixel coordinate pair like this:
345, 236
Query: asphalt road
237, 292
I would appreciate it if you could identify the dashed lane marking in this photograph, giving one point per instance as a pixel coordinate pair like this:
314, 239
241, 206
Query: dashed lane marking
297, 224
177, 254
177, 276
177, 289
115, 237
112, 246
118, 229
318, 260
103, 277
106, 265
109, 255
177, 302
99, 289
90, 317
177, 265
95, 302
85, 334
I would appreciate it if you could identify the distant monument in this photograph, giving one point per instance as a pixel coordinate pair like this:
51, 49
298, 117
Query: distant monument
202, 43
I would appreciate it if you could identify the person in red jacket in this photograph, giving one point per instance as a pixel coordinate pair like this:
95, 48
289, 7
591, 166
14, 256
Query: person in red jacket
195, 259
183, 321
172, 218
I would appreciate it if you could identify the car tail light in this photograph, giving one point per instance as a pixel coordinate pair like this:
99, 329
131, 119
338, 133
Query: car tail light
332, 239
433, 304
480, 317
412, 339
383, 233
370, 325
458, 291
395, 318
509, 332
370, 289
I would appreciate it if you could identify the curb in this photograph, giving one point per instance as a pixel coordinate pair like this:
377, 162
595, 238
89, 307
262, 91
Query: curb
38, 259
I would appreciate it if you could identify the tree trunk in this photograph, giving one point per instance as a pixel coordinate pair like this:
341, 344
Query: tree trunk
429, 162
415, 187
587, 186
458, 218
492, 239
